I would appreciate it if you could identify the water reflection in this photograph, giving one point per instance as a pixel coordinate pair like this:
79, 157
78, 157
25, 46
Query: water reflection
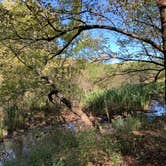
158, 109
17, 147
6, 151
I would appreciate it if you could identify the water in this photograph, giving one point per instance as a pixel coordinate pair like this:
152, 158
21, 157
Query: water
19, 146
158, 109
70, 126
6, 151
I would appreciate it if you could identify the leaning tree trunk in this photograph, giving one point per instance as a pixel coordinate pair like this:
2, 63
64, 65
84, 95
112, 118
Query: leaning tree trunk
55, 92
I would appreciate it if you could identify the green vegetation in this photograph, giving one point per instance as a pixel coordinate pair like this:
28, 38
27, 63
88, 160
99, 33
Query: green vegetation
65, 148
77, 87
14, 119
127, 125
129, 98
90, 146
61, 147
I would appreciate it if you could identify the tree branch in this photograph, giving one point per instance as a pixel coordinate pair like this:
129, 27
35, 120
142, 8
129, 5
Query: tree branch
149, 24
124, 32
68, 43
158, 73
140, 60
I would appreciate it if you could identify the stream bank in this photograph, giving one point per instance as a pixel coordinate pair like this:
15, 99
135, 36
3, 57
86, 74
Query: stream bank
20, 145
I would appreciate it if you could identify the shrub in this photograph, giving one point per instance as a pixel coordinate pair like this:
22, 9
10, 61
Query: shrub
87, 145
126, 125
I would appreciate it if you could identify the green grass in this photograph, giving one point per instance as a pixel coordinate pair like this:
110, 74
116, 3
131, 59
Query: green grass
14, 118
128, 98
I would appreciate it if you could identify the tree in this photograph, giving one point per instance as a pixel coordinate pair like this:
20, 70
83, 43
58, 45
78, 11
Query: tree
36, 32
138, 22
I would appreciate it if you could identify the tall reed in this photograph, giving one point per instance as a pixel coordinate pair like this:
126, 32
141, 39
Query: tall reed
14, 118
128, 98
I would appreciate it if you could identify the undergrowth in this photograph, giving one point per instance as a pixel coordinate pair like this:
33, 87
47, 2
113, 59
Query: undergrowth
64, 148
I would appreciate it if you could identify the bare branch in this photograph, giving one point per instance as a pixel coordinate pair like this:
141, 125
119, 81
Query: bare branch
158, 73
140, 60
149, 24
68, 43
105, 78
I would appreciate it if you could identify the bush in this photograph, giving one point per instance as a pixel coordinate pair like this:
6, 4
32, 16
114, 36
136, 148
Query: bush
87, 146
126, 125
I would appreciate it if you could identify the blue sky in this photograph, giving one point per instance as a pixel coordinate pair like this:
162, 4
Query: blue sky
111, 36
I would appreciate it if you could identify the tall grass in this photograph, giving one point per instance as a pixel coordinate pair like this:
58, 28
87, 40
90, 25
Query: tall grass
14, 118
1, 130
128, 98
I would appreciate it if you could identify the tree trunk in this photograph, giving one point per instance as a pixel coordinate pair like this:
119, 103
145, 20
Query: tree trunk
162, 7
55, 92
76, 109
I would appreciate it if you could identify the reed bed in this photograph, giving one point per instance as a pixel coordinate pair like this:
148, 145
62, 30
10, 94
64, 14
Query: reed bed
128, 98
